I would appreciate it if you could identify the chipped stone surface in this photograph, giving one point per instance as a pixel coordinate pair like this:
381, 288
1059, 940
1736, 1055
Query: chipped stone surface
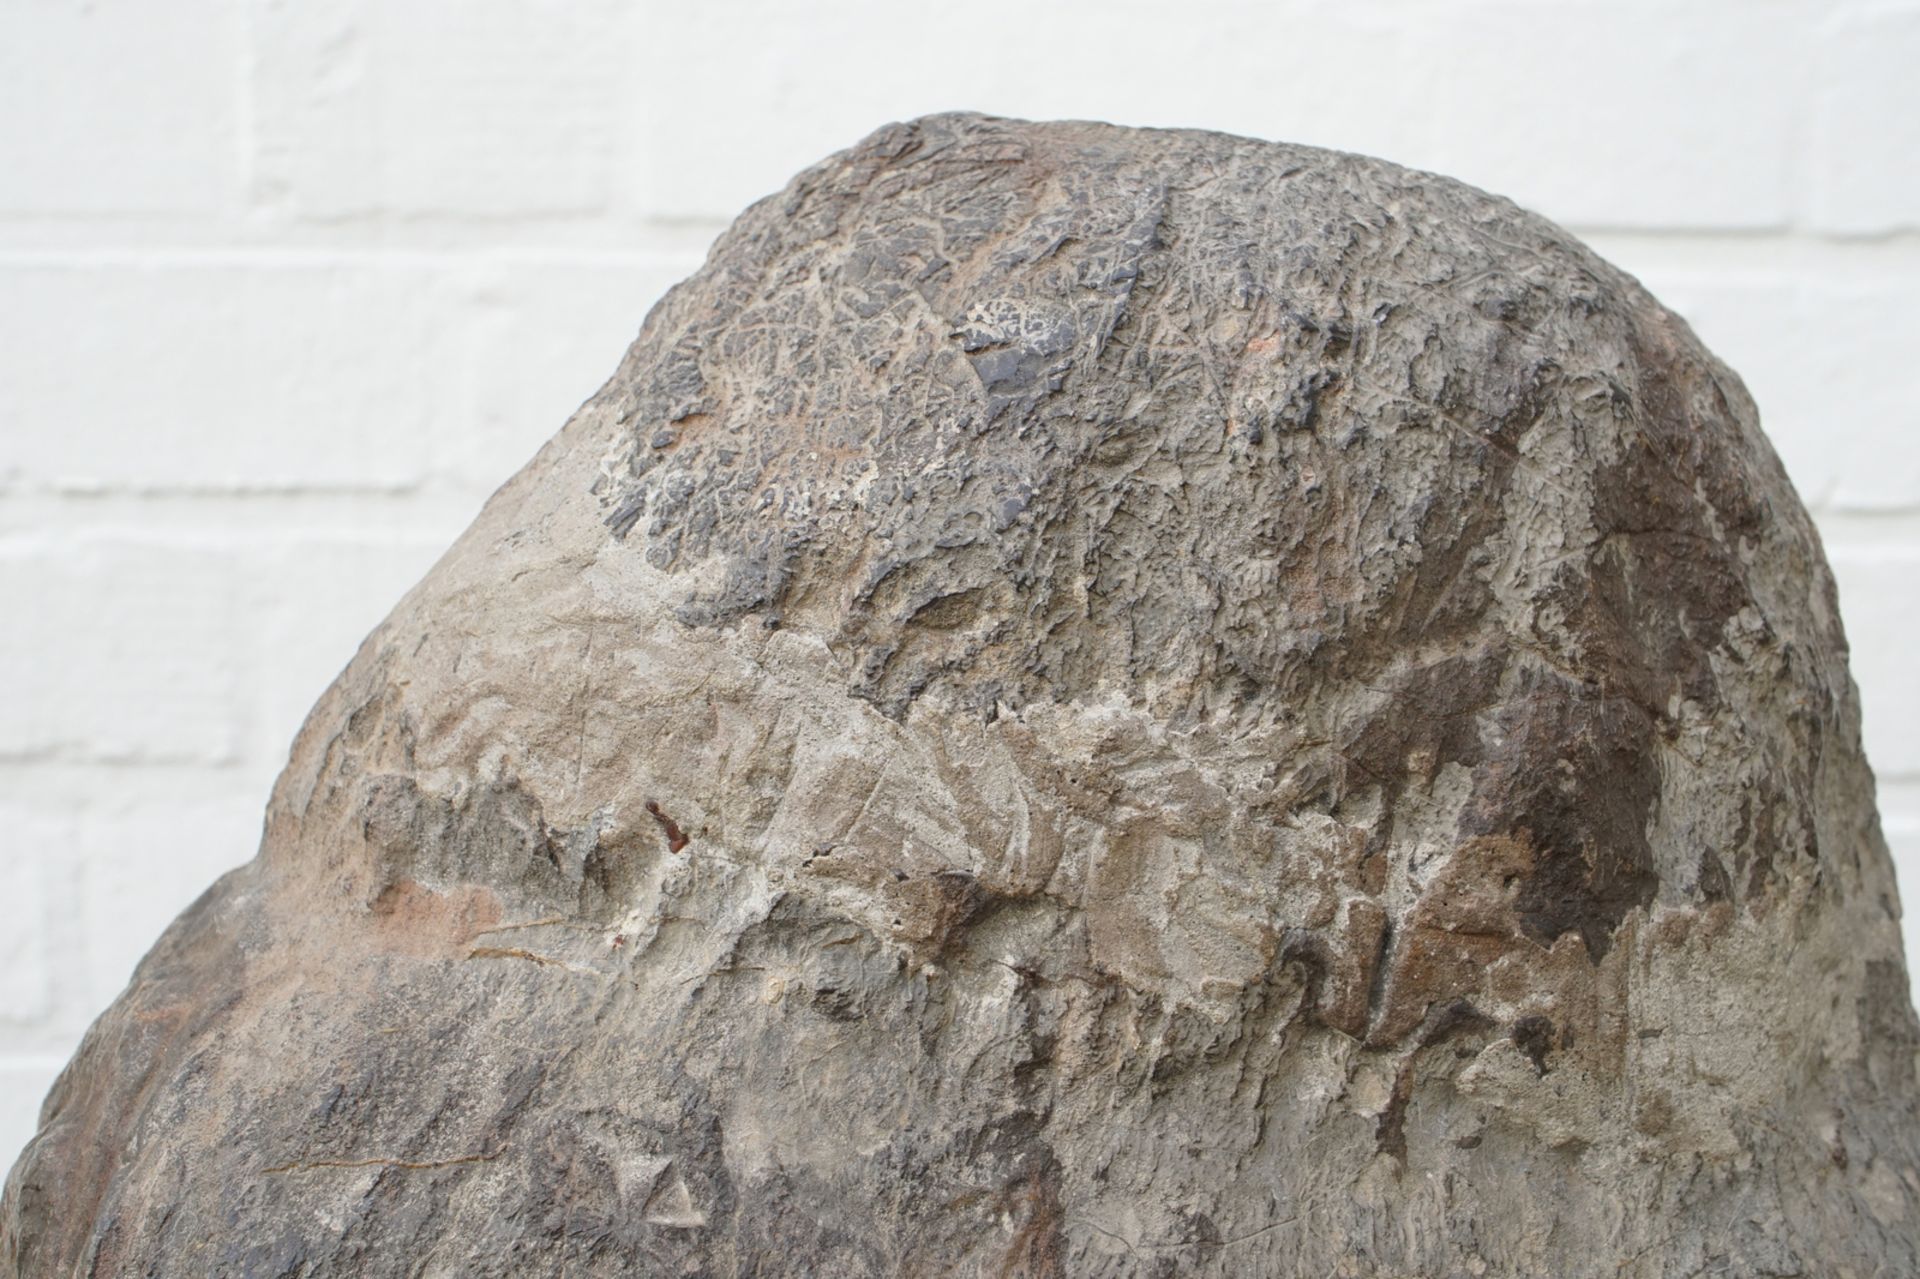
1084, 702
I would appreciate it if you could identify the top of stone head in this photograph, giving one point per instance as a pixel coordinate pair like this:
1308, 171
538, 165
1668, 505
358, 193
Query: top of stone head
1241, 435
1018, 412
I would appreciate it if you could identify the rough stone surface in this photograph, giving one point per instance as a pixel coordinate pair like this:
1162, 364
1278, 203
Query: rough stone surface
1084, 702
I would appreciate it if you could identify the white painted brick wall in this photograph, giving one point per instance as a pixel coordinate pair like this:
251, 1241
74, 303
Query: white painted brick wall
366, 109
118, 111
286, 289
118, 652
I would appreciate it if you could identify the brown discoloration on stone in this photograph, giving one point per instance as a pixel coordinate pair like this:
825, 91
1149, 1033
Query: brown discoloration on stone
1575, 783
934, 909
1345, 1002
1466, 919
1430, 718
1085, 701
1038, 1247
410, 917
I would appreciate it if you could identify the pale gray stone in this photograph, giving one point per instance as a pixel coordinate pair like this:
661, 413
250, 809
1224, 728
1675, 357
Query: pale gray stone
1085, 702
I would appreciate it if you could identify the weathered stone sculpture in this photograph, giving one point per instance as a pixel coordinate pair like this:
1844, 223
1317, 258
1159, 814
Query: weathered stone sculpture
1085, 702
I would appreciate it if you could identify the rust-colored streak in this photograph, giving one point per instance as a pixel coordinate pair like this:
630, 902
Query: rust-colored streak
676, 838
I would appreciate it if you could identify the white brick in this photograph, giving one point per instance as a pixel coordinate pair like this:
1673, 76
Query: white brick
1865, 136
24, 1082
142, 865
1609, 114
120, 107
1831, 367
1876, 602
548, 334
28, 844
208, 375
117, 651
818, 77
1618, 114
474, 109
